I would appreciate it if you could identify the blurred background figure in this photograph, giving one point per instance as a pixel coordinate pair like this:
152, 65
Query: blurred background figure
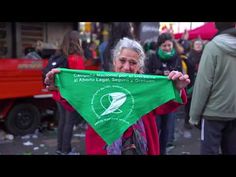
149, 47
193, 61
34, 52
184, 41
102, 47
70, 51
118, 31
196, 53
161, 62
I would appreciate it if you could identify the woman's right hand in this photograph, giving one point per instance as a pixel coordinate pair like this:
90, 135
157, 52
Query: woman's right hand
49, 79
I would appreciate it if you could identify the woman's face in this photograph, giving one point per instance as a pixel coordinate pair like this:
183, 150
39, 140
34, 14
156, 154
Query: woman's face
197, 46
127, 62
167, 46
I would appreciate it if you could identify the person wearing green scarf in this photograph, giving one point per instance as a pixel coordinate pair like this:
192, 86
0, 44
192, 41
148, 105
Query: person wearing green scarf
164, 56
165, 60
141, 137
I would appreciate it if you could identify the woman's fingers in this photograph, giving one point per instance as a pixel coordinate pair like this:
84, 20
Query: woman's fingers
184, 77
174, 75
49, 80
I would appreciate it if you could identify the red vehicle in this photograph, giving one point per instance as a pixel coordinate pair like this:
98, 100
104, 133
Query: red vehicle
24, 101
23, 97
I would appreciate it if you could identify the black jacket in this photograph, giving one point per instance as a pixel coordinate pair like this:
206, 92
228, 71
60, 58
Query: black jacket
194, 58
154, 65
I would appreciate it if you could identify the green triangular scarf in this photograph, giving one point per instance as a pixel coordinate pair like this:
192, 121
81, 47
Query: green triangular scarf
164, 56
111, 102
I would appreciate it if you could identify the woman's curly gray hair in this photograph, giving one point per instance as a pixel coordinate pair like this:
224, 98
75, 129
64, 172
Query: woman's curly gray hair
127, 43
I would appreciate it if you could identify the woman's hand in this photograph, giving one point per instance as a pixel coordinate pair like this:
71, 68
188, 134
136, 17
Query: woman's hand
49, 79
180, 80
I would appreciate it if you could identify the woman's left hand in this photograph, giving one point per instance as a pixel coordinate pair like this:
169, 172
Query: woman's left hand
181, 80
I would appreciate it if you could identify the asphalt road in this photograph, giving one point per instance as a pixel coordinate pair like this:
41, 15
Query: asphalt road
187, 141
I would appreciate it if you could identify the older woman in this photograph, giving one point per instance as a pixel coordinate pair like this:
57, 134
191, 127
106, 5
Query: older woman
142, 137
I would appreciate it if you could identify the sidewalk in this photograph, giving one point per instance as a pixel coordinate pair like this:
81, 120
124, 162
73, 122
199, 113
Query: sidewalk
187, 141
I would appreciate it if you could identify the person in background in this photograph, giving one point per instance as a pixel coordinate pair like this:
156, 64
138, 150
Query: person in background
214, 93
184, 41
195, 54
72, 51
118, 31
193, 63
102, 47
34, 52
162, 62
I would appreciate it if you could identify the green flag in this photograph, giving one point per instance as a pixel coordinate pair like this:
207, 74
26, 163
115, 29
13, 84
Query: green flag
111, 102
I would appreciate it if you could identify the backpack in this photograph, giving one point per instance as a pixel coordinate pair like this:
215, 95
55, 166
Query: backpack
56, 61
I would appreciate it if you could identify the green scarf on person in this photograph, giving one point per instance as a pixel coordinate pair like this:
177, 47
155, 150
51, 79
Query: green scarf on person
164, 56
111, 102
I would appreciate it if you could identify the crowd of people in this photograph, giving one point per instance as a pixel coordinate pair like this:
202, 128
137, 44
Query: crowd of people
204, 75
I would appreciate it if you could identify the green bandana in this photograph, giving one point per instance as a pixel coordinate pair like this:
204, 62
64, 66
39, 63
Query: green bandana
164, 55
111, 102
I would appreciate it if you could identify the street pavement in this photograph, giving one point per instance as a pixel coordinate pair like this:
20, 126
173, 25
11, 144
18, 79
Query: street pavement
187, 141
40, 143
